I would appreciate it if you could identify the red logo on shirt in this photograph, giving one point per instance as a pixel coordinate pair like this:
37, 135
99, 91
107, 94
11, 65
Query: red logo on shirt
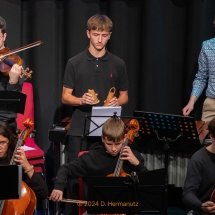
111, 75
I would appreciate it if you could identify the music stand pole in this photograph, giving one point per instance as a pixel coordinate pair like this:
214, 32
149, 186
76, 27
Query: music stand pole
167, 142
173, 127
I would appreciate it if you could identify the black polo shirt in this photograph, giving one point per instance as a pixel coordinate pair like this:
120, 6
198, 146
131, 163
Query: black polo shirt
83, 72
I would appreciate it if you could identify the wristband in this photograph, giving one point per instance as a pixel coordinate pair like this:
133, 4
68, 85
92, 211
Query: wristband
28, 170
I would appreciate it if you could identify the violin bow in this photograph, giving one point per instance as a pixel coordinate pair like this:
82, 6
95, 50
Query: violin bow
31, 45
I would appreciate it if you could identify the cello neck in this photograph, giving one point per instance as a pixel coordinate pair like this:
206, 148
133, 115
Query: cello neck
18, 144
120, 162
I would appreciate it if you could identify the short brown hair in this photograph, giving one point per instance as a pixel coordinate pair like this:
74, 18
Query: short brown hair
211, 127
2, 25
113, 129
99, 22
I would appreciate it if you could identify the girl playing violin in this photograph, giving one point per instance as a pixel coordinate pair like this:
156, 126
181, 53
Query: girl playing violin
12, 82
30, 177
101, 160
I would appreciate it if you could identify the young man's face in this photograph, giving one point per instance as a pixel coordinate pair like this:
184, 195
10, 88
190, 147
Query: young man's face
98, 39
2, 39
113, 148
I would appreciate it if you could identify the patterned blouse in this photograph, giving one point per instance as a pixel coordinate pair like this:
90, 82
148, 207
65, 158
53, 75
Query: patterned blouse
206, 71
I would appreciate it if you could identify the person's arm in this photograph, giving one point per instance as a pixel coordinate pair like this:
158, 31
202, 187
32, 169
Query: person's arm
121, 100
190, 105
191, 186
37, 184
14, 75
72, 170
33, 180
136, 160
69, 99
128, 155
199, 82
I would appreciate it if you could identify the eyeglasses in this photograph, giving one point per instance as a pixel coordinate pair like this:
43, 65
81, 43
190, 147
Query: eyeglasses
4, 142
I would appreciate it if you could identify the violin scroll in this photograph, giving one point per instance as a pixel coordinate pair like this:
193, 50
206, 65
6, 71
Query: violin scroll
27, 73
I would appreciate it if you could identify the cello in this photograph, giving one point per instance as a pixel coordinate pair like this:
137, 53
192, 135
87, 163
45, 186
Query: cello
27, 203
119, 172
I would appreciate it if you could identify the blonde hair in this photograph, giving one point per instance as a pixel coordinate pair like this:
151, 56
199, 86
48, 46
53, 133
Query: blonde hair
113, 129
99, 22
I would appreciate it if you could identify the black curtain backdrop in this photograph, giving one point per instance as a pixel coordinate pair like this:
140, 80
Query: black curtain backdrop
159, 40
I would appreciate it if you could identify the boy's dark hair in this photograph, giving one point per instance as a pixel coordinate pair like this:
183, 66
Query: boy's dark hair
211, 127
99, 22
2, 25
113, 129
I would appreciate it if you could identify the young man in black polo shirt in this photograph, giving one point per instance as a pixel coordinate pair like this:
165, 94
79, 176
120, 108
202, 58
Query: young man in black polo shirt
12, 82
95, 68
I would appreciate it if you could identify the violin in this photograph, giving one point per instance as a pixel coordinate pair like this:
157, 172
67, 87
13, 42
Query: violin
8, 58
27, 203
119, 172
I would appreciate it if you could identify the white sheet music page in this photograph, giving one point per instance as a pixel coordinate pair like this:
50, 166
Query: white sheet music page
27, 148
102, 113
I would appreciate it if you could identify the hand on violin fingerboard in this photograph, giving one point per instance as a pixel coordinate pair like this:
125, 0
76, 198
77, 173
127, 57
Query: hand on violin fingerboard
128, 155
15, 73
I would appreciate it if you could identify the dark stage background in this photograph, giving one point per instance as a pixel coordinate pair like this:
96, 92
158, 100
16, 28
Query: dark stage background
159, 40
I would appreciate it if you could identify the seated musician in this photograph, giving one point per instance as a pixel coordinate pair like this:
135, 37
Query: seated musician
30, 177
101, 160
200, 179
10, 82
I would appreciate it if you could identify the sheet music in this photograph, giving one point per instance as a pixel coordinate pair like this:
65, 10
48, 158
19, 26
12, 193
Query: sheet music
27, 148
105, 113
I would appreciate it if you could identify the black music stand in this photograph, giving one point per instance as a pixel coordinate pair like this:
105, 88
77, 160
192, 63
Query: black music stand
10, 181
169, 129
180, 130
88, 118
127, 194
12, 101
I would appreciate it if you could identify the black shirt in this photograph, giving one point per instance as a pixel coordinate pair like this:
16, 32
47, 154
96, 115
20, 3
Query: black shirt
83, 72
97, 162
200, 179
